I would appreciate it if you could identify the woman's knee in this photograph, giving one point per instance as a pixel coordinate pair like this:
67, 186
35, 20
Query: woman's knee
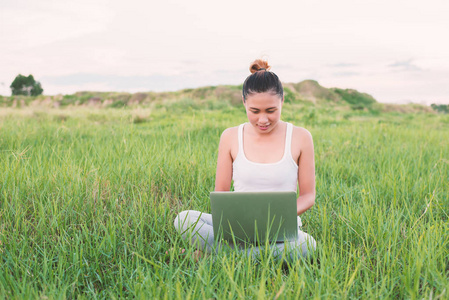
180, 219
306, 243
184, 219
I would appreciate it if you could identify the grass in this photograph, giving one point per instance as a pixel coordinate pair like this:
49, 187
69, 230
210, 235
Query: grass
88, 198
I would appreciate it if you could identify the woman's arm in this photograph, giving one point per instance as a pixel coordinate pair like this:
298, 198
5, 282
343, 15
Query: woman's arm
223, 176
306, 174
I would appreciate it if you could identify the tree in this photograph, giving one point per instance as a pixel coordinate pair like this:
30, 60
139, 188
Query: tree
442, 108
27, 86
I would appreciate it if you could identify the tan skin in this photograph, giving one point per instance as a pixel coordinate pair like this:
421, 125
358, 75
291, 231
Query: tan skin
264, 140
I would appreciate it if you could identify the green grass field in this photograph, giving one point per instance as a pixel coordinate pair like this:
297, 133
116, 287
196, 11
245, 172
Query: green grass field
88, 198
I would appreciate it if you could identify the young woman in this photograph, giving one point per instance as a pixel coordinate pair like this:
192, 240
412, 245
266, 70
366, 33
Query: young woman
265, 154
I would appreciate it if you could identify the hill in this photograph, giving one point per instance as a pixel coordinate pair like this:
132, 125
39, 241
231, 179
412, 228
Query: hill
307, 92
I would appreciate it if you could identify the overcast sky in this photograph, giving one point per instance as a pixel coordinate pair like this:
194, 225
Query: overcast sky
397, 51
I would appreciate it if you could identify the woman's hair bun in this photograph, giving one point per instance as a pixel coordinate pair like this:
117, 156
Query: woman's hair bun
259, 64
261, 80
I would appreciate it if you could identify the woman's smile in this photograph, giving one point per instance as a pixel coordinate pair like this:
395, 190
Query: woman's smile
264, 127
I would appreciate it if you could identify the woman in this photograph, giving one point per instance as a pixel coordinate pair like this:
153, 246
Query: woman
265, 154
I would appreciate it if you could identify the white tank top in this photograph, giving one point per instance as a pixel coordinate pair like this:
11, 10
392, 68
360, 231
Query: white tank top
251, 176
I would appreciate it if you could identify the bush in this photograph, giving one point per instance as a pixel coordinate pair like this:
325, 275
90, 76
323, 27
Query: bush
289, 96
118, 104
357, 100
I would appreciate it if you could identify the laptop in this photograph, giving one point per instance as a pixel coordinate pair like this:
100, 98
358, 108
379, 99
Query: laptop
240, 217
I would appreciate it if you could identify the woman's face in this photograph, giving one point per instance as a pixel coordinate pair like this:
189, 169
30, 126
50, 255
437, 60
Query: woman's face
263, 111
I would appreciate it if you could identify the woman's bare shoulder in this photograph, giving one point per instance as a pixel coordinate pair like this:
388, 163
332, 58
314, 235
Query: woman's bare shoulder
301, 134
228, 141
229, 133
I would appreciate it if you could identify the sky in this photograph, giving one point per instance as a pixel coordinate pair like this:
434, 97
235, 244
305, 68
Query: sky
395, 50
